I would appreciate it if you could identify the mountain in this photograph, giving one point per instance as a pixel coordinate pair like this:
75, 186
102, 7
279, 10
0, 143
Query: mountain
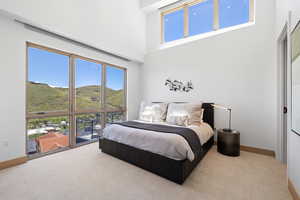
42, 97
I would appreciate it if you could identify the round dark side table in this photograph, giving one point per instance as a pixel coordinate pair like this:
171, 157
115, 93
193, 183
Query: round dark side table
228, 142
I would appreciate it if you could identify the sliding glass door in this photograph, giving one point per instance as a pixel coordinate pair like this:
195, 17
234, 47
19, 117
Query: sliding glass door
70, 99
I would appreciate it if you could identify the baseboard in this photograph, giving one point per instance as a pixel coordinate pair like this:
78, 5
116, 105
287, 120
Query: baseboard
293, 191
13, 162
258, 150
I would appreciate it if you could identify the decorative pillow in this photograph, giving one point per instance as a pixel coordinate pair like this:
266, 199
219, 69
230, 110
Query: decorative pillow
153, 112
191, 111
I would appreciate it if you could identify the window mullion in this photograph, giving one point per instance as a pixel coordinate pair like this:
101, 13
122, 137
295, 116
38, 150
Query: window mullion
216, 15
125, 92
162, 28
72, 99
103, 96
251, 10
186, 20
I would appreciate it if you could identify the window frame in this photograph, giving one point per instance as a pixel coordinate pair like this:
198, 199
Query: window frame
72, 112
185, 7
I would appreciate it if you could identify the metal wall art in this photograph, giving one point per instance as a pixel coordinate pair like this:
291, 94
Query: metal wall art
178, 86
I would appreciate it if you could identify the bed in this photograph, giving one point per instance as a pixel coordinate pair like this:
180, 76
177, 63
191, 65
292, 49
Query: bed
171, 168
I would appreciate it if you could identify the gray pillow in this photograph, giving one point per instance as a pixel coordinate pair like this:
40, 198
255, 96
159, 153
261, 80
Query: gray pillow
184, 113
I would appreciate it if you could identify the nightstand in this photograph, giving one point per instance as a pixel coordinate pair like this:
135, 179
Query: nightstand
228, 142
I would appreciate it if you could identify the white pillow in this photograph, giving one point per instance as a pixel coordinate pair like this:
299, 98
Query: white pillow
145, 113
153, 112
180, 119
191, 111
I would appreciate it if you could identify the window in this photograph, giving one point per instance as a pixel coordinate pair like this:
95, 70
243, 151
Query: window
47, 101
88, 127
47, 134
233, 12
174, 25
114, 117
114, 90
48, 81
70, 99
202, 16
88, 77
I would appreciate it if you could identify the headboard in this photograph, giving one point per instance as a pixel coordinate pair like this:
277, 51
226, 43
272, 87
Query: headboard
208, 115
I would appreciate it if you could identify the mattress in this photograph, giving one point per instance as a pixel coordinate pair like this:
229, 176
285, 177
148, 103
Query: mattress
166, 144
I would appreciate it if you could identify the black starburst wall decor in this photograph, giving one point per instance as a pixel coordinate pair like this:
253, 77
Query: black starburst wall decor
178, 86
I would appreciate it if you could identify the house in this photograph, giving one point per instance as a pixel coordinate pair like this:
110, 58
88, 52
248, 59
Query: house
52, 141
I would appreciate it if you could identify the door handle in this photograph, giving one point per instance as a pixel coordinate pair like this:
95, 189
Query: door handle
285, 110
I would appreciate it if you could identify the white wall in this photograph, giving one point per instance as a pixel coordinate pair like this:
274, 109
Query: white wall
116, 26
150, 5
12, 82
236, 68
282, 13
282, 9
294, 6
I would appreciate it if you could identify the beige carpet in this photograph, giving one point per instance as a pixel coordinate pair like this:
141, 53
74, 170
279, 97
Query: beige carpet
87, 174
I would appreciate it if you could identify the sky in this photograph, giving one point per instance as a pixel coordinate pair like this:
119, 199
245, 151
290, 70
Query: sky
231, 13
53, 69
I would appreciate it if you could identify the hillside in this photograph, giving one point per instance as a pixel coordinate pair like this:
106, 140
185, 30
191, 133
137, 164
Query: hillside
42, 97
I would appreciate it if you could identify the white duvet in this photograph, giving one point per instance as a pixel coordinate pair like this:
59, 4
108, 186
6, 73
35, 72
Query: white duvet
166, 144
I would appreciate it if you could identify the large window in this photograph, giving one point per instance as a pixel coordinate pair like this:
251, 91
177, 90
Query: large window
174, 25
70, 99
88, 127
48, 81
233, 12
47, 134
202, 16
47, 101
115, 88
88, 77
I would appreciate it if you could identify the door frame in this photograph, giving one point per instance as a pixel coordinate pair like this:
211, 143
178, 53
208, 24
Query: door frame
282, 89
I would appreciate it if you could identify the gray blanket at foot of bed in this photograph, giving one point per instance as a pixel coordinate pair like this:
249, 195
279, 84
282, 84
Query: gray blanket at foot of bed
188, 134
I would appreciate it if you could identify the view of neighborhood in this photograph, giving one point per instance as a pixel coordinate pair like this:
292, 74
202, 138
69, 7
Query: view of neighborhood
48, 134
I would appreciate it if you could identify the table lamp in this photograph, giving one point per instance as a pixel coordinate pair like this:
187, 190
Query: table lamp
228, 109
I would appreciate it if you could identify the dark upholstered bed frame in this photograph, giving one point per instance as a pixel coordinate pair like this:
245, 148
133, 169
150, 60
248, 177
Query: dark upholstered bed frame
173, 170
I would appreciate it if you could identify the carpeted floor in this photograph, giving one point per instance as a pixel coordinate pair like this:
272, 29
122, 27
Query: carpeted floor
87, 174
